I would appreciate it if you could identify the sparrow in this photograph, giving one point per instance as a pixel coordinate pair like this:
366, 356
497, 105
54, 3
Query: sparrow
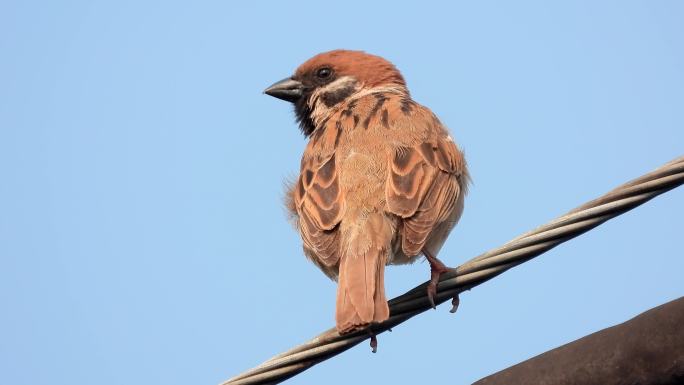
381, 182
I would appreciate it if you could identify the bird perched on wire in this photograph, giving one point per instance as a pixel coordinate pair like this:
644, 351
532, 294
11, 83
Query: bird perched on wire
381, 180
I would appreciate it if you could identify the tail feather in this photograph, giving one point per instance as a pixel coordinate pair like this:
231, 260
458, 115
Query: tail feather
361, 288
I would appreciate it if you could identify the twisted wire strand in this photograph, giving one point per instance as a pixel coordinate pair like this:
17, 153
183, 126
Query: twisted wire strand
474, 272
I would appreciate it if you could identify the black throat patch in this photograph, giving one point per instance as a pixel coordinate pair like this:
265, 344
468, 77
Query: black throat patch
303, 115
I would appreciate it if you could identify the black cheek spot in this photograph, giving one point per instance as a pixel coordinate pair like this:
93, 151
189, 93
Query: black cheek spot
334, 97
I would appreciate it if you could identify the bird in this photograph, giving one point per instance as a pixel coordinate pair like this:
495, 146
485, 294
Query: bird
381, 182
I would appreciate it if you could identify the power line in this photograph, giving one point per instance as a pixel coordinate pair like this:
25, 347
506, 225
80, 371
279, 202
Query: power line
474, 272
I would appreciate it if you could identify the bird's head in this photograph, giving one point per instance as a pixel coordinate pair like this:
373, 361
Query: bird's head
330, 78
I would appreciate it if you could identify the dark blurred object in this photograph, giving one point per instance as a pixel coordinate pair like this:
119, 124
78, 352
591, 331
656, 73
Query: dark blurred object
646, 350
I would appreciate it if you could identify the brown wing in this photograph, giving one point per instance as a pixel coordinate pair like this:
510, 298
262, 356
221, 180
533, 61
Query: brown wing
424, 184
319, 203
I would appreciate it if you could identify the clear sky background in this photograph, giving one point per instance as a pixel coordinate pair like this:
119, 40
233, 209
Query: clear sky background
142, 234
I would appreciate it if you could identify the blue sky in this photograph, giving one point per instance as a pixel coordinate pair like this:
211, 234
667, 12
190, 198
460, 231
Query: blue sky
142, 234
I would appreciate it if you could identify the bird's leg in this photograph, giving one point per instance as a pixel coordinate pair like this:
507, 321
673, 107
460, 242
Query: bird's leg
437, 267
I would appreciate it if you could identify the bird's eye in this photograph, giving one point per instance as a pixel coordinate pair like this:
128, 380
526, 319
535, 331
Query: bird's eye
323, 73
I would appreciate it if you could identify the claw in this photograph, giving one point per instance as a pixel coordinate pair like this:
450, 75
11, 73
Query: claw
454, 304
374, 343
431, 293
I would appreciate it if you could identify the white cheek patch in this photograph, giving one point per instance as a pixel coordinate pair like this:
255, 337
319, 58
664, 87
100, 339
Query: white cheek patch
338, 84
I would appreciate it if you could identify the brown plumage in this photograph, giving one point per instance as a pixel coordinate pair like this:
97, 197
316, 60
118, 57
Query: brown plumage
381, 180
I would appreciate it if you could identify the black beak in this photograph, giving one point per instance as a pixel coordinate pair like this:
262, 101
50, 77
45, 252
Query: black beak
287, 89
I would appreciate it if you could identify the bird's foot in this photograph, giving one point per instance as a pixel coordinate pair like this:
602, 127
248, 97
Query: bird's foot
374, 343
454, 304
437, 268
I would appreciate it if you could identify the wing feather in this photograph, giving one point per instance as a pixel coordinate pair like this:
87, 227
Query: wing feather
425, 182
319, 201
